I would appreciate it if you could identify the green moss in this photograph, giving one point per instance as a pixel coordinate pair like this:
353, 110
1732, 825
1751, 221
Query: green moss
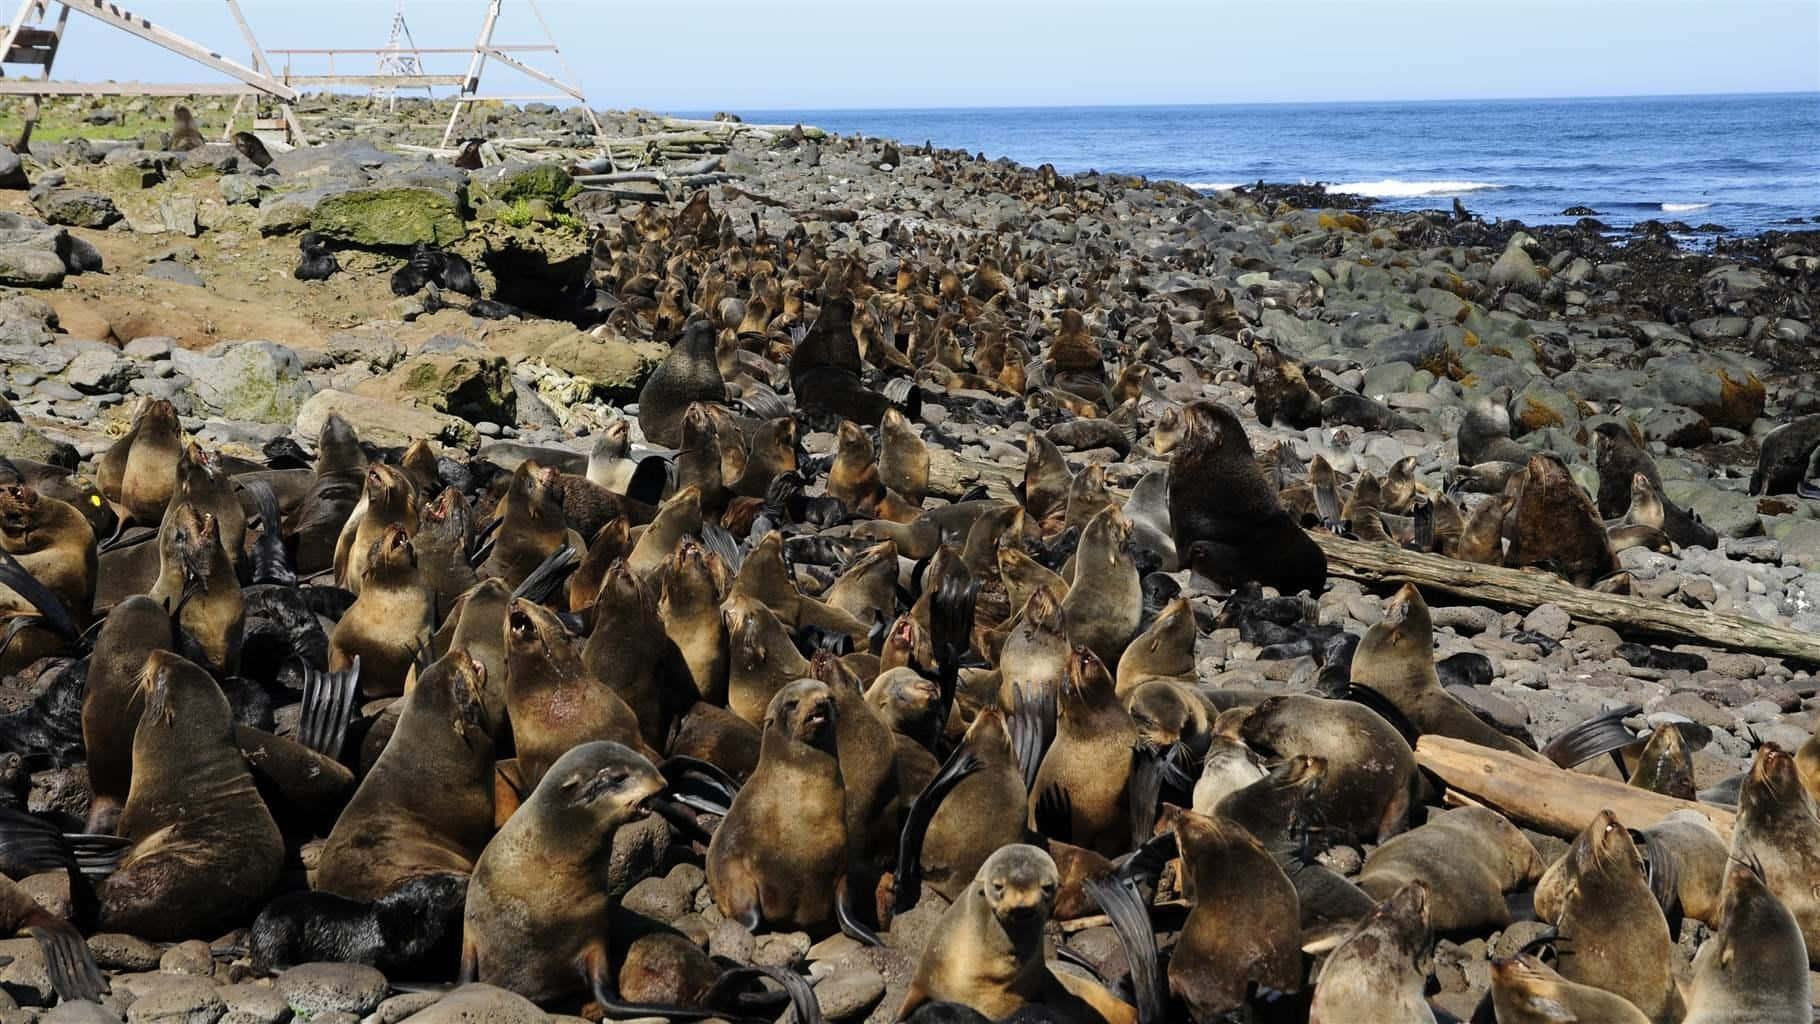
390, 217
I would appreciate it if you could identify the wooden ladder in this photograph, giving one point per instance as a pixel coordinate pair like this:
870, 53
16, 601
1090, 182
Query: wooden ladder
29, 42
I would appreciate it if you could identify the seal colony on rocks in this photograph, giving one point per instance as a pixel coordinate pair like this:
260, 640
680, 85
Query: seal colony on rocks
957, 575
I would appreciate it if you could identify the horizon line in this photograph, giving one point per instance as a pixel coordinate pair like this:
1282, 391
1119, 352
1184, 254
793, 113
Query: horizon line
1237, 103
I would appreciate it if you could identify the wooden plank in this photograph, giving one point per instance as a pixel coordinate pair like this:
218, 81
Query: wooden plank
29, 87
110, 13
374, 81
1526, 588
1550, 799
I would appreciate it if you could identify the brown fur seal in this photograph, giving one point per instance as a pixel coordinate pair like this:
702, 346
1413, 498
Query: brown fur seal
1034, 657
1372, 977
531, 525
1755, 968
1090, 759
391, 621
1282, 391
1396, 658
390, 499
1524, 990
678, 517
1365, 791
553, 701
629, 651
780, 855
1554, 525
1469, 857
194, 574
1047, 481
1619, 456
185, 136
540, 897
688, 374
762, 657
1244, 928
139, 472
205, 849
903, 458
336, 490
868, 588
984, 812
112, 700
867, 766
1779, 828
1105, 601
1699, 863
853, 477
54, 544
202, 482
610, 546
427, 805
987, 952
1620, 937
688, 600
1665, 766
1227, 522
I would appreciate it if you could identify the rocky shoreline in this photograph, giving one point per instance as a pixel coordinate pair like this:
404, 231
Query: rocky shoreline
133, 272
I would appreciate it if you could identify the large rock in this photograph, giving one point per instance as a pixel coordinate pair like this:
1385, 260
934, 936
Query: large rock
98, 371
251, 380
390, 217
1728, 396
481, 1004
12, 172
474, 386
18, 441
183, 1001
76, 207
615, 367
31, 259
393, 424
509, 182
285, 212
313, 989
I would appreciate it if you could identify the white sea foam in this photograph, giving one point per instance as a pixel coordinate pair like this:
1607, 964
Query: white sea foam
1211, 186
1393, 188
1683, 207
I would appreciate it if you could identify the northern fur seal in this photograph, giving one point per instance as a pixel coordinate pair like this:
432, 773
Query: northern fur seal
1105, 602
1778, 827
139, 471
1228, 524
205, 848
390, 622
1553, 524
553, 701
185, 136
780, 855
688, 374
53, 544
426, 807
1524, 990
531, 524
1090, 760
1372, 977
1469, 857
1620, 936
388, 499
1782, 461
1755, 968
629, 651
1243, 931
254, 150
197, 583
987, 951
1365, 791
314, 260
985, 810
113, 700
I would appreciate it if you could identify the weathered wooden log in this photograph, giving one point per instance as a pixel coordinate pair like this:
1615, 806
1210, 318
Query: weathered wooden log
1640, 617
655, 177
1547, 798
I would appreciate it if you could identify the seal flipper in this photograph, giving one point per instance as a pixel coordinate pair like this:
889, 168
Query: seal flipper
951, 610
717, 540
802, 997
851, 926
51, 612
269, 564
550, 574
1054, 814
1422, 517
907, 883
1143, 791
1032, 728
1124, 905
649, 481
1602, 734
677, 815
1664, 874
699, 784
328, 705
67, 960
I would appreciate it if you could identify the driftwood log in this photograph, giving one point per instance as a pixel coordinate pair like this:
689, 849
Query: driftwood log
1442, 579
1547, 798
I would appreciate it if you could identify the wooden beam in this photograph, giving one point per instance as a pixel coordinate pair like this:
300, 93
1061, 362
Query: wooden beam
374, 81
1547, 798
28, 87
110, 13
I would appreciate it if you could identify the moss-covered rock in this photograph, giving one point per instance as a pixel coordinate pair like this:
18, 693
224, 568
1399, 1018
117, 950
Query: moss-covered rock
76, 207
254, 380
392, 217
18, 441
474, 386
510, 182
614, 367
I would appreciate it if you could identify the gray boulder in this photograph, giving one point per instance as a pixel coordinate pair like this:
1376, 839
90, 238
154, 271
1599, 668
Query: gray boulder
253, 380
76, 207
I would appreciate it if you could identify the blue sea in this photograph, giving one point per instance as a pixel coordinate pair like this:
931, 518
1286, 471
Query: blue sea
1748, 163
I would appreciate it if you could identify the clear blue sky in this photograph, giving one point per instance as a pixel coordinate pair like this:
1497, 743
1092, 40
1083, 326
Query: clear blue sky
809, 54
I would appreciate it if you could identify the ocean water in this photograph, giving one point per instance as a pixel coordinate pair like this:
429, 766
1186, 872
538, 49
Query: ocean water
1748, 163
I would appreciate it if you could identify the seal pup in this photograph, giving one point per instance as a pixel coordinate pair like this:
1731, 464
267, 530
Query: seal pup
1778, 827
1620, 936
610, 464
552, 700
1618, 455
426, 806
779, 856
204, 847
987, 951
1468, 857
1228, 524
1524, 990
1243, 929
1372, 976
688, 374
185, 136
314, 261
1755, 968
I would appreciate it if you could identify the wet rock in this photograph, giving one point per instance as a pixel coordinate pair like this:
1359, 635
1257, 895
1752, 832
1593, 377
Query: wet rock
312, 989
847, 994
